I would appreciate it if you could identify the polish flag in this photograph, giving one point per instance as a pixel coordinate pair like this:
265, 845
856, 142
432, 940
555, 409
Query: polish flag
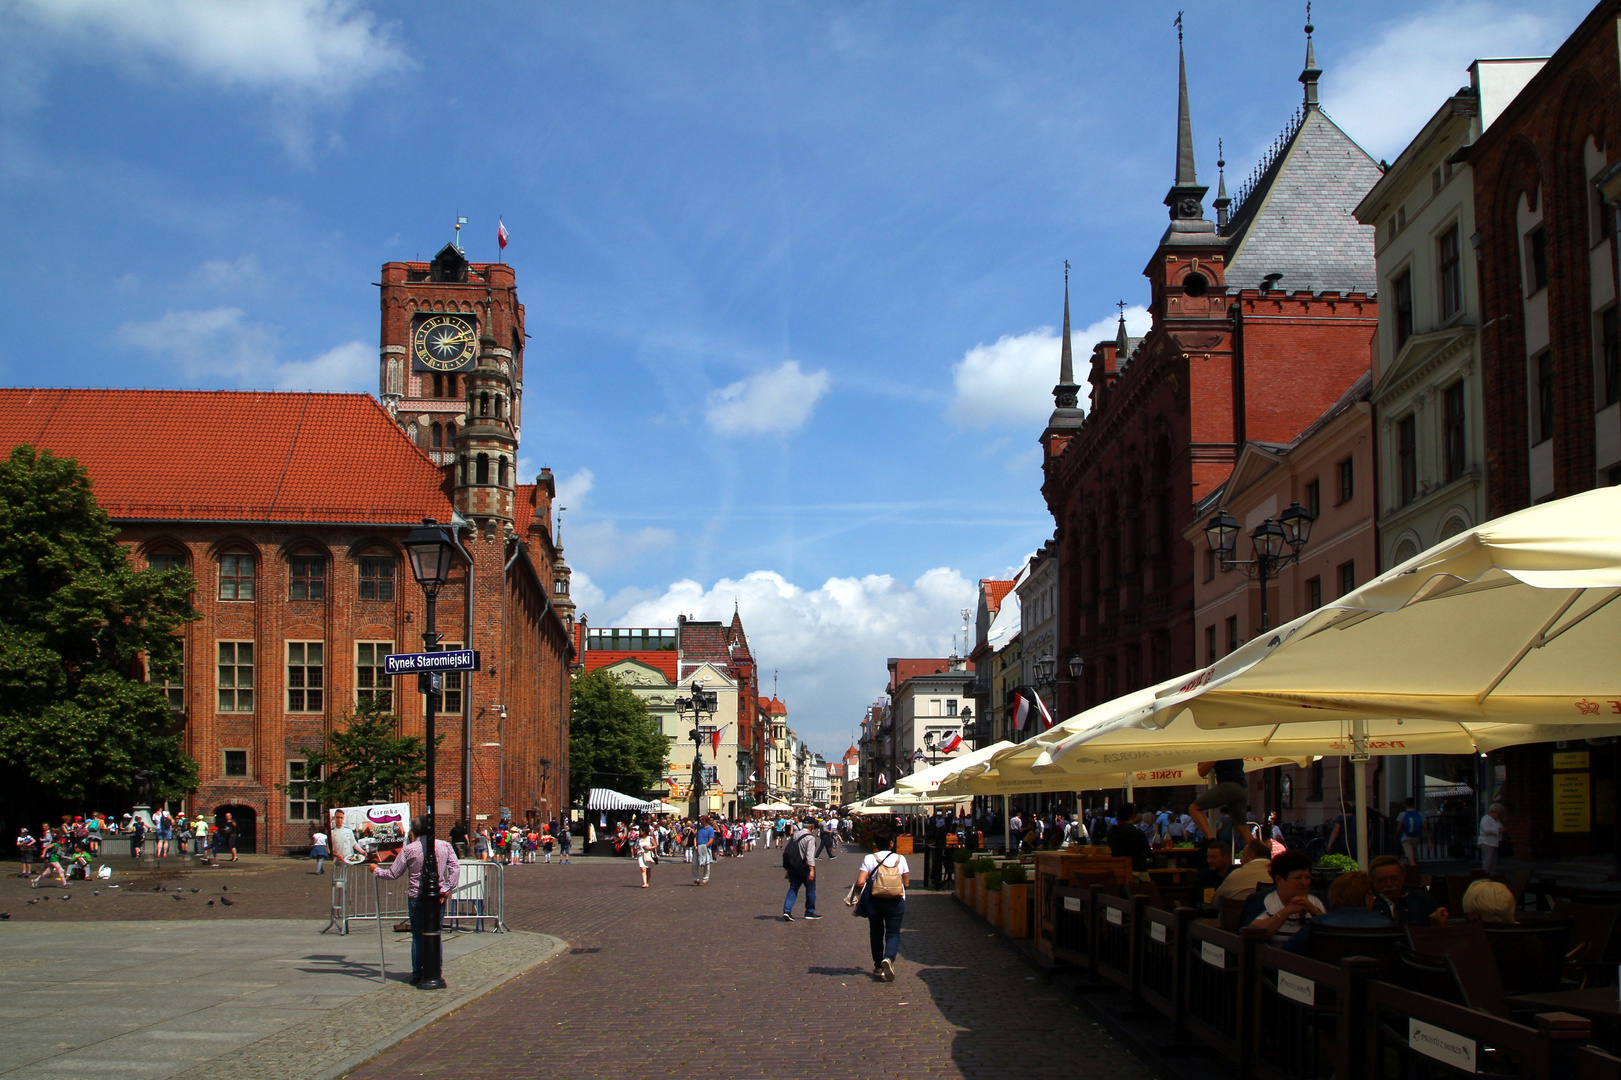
1021, 712
1046, 717
501, 233
883, 780
952, 743
714, 739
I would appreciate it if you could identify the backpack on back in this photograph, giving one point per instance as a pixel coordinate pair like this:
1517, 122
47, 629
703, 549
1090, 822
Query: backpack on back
793, 852
886, 879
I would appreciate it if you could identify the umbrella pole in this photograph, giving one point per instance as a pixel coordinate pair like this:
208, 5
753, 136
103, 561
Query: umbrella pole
1007, 829
1359, 769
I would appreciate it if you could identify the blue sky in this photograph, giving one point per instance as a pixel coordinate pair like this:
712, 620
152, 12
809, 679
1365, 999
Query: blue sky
792, 271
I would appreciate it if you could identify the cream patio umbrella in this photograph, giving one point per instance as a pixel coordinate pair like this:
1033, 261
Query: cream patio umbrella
1504, 634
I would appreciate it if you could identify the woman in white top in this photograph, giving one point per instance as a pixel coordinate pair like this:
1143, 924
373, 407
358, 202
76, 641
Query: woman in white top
879, 873
646, 853
1490, 840
1289, 906
318, 850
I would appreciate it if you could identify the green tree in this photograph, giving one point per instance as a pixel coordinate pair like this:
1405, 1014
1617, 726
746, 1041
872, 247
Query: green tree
612, 739
80, 629
367, 760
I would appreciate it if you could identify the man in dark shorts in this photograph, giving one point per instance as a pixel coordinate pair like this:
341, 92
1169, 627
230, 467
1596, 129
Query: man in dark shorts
227, 835
1228, 790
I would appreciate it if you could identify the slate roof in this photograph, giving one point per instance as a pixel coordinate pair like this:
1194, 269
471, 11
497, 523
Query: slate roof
245, 456
1297, 220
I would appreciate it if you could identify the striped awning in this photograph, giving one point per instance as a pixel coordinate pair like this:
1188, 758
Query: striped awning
605, 799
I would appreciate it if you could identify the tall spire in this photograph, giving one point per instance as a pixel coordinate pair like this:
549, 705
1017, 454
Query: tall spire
1311, 73
1221, 202
1122, 340
1186, 197
1066, 395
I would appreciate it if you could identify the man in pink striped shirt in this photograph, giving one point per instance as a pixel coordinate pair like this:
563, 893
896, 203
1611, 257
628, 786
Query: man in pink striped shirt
424, 915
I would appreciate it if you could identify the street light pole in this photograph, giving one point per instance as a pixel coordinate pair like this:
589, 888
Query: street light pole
432, 551
1291, 530
699, 705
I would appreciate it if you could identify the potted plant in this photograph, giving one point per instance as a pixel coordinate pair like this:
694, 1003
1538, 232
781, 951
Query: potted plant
961, 877
1016, 901
993, 898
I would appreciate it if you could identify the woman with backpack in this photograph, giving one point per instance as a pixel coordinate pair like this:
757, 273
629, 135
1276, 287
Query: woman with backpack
882, 883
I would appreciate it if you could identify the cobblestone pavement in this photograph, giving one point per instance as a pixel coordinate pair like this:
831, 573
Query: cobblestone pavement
676, 979
259, 887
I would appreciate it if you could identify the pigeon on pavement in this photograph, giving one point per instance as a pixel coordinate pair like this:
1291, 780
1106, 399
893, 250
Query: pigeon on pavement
227, 901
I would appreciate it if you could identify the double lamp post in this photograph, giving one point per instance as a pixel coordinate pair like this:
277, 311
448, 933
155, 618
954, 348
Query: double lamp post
433, 551
700, 706
1276, 544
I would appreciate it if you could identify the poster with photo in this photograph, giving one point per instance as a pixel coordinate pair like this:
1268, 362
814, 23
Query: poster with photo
369, 833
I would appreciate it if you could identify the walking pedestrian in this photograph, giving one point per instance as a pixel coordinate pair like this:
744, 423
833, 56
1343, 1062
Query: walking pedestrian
703, 851
646, 855
318, 850
565, 843
883, 880
137, 839
227, 836
424, 912
799, 860
163, 824
53, 852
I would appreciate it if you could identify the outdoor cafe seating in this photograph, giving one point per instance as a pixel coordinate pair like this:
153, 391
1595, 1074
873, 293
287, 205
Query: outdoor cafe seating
1509, 1000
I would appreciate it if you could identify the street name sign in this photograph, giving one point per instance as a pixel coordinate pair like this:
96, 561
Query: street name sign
412, 663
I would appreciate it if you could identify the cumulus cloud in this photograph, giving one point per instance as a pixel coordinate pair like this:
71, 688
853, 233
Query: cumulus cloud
350, 366
312, 47
572, 489
1383, 93
771, 402
829, 643
228, 275
1011, 380
603, 545
222, 345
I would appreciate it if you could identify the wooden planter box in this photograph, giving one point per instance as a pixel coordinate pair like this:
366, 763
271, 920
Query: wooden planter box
979, 895
903, 844
1016, 910
993, 905
960, 884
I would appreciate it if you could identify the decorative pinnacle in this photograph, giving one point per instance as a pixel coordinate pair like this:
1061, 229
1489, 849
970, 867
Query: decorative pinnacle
1311, 73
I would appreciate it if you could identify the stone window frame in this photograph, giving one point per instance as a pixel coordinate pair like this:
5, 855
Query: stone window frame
303, 667
230, 570
370, 679
236, 666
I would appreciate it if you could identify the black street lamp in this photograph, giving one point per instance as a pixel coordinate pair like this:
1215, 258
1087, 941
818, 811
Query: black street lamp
433, 552
700, 706
1276, 544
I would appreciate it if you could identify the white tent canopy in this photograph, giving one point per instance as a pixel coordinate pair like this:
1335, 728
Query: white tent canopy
606, 799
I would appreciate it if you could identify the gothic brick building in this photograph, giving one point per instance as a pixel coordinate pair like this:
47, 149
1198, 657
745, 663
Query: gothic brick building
1261, 320
289, 508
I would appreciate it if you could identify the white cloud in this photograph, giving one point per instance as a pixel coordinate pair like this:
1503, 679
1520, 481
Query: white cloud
1384, 93
322, 48
602, 545
772, 402
572, 489
829, 643
587, 597
222, 345
1011, 380
350, 366
233, 275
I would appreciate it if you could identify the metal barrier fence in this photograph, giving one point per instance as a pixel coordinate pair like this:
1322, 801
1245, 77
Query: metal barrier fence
477, 902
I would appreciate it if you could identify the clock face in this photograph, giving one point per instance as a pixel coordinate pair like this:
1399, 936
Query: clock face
444, 342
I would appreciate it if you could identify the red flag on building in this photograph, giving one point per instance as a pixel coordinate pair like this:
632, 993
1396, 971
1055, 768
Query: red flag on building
952, 743
714, 739
1046, 717
501, 233
1021, 712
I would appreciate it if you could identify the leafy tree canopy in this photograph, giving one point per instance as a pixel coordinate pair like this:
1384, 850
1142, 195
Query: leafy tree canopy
79, 629
368, 761
613, 741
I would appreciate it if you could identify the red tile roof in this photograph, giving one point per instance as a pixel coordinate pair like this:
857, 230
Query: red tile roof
663, 660
995, 591
211, 455
773, 707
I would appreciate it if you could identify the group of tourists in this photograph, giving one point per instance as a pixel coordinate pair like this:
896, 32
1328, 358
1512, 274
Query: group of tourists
64, 851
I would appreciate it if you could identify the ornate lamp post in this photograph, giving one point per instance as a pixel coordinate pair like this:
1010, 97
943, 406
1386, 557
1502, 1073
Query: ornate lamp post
433, 552
700, 706
1276, 545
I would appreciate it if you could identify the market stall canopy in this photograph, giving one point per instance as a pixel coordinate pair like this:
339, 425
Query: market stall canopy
773, 807
602, 798
1513, 622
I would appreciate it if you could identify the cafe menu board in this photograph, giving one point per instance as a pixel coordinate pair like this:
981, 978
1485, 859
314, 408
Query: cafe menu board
1572, 793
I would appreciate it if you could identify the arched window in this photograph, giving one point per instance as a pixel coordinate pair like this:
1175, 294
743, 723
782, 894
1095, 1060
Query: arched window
236, 576
450, 386
484, 403
450, 434
464, 470
438, 386
165, 560
411, 431
307, 576
483, 470
500, 404
501, 470
438, 436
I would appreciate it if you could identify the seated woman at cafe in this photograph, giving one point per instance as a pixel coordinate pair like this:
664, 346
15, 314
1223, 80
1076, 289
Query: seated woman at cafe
1489, 902
1288, 907
1350, 904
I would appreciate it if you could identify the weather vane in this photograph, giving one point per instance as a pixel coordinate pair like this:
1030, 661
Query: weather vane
1066, 273
1121, 304
1179, 25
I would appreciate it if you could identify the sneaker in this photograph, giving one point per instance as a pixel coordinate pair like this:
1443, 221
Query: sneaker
787, 916
886, 970
813, 916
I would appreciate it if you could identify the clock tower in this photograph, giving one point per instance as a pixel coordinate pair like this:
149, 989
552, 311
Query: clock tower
439, 320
